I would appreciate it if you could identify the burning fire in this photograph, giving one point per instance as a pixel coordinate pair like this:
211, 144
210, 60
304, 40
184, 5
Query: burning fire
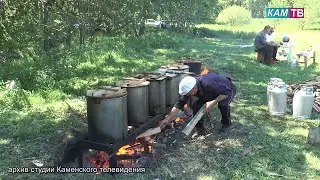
101, 159
179, 120
205, 70
183, 117
136, 148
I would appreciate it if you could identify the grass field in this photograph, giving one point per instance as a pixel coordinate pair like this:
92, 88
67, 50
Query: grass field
37, 124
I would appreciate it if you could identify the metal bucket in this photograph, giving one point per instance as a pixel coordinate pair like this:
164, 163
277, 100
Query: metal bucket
137, 100
107, 115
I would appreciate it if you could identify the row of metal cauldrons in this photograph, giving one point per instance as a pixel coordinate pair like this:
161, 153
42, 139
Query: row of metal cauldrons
111, 109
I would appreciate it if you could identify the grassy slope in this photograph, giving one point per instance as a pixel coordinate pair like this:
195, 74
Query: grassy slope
39, 132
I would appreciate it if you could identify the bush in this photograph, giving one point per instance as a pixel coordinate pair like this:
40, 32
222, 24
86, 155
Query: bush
234, 15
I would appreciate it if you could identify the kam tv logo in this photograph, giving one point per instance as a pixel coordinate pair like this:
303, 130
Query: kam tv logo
284, 12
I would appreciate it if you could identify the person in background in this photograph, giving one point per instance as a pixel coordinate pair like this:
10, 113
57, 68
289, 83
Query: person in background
210, 89
261, 44
270, 41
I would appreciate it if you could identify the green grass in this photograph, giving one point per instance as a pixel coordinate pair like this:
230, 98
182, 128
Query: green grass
41, 130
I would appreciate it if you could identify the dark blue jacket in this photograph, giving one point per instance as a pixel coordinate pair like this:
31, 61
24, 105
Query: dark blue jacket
210, 86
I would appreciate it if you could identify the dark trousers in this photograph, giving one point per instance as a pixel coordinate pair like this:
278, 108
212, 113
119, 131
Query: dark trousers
268, 54
274, 53
224, 107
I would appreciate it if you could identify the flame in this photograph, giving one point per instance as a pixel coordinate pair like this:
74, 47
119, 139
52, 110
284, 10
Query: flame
184, 117
136, 148
205, 70
179, 120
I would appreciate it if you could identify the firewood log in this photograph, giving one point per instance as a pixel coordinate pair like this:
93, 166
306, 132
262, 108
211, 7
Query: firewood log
187, 130
150, 132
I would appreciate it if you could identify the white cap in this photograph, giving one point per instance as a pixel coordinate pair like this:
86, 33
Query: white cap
186, 85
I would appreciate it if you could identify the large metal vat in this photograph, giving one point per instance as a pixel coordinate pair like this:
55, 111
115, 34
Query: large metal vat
185, 74
157, 92
137, 99
303, 102
172, 88
107, 114
179, 69
277, 97
194, 65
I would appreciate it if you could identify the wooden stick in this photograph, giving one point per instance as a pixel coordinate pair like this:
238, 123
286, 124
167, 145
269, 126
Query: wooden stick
187, 130
150, 132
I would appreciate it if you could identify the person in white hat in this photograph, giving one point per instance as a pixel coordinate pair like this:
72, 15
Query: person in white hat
210, 89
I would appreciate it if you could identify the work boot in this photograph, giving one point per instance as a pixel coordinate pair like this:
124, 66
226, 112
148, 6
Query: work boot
201, 131
225, 128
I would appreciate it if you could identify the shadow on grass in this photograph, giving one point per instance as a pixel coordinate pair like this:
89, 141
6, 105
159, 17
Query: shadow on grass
38, 135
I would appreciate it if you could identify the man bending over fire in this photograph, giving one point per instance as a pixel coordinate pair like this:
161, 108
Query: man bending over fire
210, 89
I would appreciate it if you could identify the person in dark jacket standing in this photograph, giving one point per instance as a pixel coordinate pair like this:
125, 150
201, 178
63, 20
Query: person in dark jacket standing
210, 89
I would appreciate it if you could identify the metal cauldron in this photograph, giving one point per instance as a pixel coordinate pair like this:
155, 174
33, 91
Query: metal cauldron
172, 88
194, 65
107, 114
157, 92
137, 99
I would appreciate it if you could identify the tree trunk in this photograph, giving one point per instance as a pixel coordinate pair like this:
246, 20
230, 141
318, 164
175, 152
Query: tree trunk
81, 36
92, 35
69, 35
46, 43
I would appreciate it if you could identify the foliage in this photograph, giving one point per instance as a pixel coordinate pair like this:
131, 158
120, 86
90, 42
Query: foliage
311, 18
278, 4
257, 8
274, 146
48, 24
234, 15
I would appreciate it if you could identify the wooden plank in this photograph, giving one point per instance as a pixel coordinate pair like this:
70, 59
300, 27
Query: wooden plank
187, 130
317, 102
150, 132
316, 107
